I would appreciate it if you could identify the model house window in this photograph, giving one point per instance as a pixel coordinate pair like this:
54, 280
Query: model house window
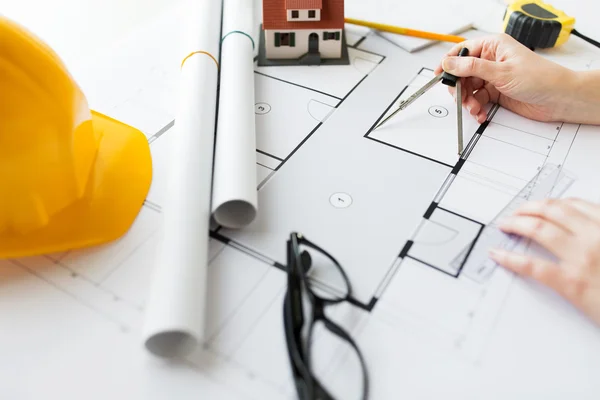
285, 39
312, 13
295, 14
331, 36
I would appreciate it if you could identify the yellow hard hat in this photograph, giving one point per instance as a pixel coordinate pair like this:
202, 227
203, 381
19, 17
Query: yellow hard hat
69, 177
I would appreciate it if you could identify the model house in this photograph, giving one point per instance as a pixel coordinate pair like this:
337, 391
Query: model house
303, 30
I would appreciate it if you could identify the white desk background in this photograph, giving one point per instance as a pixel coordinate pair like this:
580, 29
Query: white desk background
77, 28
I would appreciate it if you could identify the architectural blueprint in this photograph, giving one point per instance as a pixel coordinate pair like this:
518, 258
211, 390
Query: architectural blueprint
396, 206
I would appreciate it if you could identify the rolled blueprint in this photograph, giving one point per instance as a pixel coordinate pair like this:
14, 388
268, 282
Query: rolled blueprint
175, 310
234, 188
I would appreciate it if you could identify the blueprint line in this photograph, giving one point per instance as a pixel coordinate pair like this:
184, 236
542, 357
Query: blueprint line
462, 264
358, 43
233, 312
298, 85
461, 216
571, 145
409, 152
385, 112
97, 311
528, 133
298, 147
432, 266
516, 145
352, 90
269, 155
262, 165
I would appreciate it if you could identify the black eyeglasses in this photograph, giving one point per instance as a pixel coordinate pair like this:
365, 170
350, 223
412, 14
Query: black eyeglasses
300, 287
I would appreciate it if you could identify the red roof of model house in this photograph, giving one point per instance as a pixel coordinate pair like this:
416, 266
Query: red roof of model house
275, 14
303, 4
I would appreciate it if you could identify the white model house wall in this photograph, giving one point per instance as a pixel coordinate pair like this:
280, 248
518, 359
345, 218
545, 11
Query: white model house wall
297, 43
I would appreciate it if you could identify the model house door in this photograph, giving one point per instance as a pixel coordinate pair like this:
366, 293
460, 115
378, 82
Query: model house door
313, 43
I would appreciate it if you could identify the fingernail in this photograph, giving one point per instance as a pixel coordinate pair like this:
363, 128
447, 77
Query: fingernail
449, 64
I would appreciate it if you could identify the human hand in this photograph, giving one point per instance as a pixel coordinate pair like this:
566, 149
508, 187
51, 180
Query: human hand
570, 230
501, 70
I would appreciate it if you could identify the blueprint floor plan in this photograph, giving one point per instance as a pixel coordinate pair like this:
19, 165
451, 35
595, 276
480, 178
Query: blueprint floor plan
395, 205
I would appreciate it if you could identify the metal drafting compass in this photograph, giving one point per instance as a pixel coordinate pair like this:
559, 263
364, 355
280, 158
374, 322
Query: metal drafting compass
448, 80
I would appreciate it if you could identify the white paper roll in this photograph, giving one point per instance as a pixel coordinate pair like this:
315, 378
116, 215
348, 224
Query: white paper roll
176, 306
234, 190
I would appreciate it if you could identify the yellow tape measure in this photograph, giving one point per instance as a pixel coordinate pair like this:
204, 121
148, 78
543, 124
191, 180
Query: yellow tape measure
537, 25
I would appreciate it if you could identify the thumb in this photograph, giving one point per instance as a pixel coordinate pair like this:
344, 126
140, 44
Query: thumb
466, 67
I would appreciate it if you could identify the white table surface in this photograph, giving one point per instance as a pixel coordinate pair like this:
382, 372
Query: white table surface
76, 28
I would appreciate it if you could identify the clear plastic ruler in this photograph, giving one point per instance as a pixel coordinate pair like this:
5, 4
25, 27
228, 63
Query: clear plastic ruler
550, 182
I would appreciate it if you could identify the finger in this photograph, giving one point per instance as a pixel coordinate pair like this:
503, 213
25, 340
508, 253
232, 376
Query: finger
558, 212
485, 47
552, 237
467, 90
452, 91
543, 271
475, 47
482, 116
476, 83
487, 94
591, 210
473, 106
469, 102
463, 90
474, 67
482, 96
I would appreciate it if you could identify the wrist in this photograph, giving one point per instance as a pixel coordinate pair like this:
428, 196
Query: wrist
580, 97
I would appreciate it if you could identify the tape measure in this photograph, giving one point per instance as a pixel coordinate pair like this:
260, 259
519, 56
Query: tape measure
536, 24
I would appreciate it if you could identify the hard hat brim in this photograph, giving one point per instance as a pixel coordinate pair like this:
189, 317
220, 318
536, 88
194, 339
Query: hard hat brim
119, 183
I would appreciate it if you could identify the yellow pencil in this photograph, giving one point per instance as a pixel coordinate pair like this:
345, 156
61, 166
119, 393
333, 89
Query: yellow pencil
406, 31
